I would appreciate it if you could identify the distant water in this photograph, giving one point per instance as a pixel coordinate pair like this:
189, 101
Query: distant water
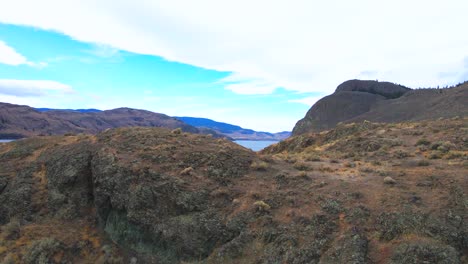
255, 145
6, 140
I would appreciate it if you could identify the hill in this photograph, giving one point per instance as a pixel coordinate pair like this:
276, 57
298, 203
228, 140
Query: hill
18, 121
360, 193
357, 100
90, 110
233, 131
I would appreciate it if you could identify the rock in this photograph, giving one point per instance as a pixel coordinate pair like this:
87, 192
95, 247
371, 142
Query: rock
389, 180
359, 100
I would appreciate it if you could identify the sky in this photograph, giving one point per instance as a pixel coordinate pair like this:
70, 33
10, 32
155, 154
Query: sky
258, 64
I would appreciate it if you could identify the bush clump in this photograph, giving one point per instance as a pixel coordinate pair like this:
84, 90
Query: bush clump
259, 166
12, 229
423, 142
262, 206
42, 251
424, 252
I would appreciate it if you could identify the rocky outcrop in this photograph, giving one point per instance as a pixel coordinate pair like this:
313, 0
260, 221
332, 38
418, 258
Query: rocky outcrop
130, 179
358, 100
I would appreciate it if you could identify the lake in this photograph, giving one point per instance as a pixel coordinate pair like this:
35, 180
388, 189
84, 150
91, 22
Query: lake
255, 145
6, 140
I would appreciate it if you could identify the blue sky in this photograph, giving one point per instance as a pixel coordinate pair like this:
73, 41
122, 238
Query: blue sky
258, 64
103, 77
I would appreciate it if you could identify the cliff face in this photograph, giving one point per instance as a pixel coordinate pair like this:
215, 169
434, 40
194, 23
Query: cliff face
359, 193
358, 100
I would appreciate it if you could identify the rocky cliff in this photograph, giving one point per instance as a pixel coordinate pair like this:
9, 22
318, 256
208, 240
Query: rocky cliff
358, 100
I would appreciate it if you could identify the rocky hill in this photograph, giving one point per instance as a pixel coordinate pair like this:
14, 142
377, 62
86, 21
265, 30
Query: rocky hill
17, 121
360, 193
233, 131
357, 100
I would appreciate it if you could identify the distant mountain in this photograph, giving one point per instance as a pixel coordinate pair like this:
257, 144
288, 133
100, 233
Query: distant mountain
17, 121
358, 100
91, 110
233, 131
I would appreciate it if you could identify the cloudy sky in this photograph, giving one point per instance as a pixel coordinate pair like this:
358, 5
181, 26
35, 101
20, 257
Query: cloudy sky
259, 64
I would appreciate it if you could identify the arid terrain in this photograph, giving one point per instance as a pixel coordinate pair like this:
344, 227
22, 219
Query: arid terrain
20, 121
359, 193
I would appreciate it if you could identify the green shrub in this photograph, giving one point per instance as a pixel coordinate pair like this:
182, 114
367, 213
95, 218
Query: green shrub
401, 154
12, 229
259, 166
423, 141
9, 259
422, 163
424, 252
435, 155
42, 251
301, 166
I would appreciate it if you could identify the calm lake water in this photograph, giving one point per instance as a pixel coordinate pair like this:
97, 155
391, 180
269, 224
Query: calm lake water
5, 140
254, 144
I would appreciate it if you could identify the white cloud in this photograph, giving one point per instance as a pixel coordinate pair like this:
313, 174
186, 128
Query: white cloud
10, 56
103, 51
301, 45
32, 88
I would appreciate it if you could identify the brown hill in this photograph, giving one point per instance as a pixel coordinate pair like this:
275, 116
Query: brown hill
360, 193
17, 121
358, 100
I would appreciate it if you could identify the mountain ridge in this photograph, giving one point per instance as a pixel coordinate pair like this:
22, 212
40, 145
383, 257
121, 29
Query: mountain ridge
358, 100
234, 131
18, 121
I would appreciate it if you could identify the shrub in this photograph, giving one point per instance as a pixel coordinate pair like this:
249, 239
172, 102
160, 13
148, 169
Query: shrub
301, 166
312, 157
423, 142
435, 155
262, 206
401, 154
366, 170
443, 147
177, 131
12, 229
422, 163
454, 155
259, 166
41, 251
9, 259
424, 252
186, 171
331, 206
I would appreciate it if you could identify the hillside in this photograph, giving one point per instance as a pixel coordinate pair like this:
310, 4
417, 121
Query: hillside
357, 100
90, 110
233, 131
359, 193
18, 121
